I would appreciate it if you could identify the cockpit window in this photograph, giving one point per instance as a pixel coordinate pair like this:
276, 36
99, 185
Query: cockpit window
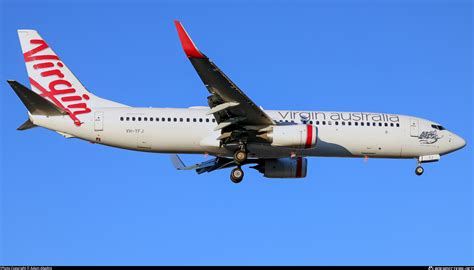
438, 127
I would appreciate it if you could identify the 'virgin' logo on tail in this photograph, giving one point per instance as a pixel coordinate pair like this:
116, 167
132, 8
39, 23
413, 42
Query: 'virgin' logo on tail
60, 91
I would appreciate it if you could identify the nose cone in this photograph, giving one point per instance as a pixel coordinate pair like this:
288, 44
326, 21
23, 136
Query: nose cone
458, 142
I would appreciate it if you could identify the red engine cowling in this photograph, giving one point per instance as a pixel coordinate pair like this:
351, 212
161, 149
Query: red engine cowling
284, 168
293, 136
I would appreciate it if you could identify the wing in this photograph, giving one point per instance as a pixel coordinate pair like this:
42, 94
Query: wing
233, 110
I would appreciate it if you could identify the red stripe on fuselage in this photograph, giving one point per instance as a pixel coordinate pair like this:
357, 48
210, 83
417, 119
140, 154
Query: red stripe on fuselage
309, 136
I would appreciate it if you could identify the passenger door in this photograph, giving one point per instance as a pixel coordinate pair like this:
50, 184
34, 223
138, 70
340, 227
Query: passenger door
414, 128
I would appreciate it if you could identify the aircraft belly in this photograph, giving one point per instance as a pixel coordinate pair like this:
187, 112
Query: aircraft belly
337, 142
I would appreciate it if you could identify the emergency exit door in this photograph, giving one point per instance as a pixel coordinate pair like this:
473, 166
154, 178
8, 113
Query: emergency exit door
99, 121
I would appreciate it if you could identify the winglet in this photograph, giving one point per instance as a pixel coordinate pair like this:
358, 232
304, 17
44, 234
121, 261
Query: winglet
189, 47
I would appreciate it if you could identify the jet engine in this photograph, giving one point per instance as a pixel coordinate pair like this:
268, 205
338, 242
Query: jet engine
283, 167
293, 136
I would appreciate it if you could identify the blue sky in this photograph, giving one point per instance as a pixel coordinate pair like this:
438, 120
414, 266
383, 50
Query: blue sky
65, 201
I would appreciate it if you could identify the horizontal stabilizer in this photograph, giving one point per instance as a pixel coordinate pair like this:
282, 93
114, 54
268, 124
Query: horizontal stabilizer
179, 165
205, 166
36, 104
27, 125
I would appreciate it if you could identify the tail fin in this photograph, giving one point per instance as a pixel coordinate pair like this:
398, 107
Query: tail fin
50, 78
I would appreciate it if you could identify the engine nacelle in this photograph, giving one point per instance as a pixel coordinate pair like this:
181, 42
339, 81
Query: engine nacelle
294, 136
284, 168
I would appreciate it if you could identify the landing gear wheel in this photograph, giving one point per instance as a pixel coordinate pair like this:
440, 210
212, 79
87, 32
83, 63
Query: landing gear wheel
237, 175
419, 170
240, 156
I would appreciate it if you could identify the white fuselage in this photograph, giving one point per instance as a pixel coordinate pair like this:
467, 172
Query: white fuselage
191, 130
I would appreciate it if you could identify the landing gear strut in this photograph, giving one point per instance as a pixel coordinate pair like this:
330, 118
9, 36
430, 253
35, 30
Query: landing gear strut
237, 175
419, 170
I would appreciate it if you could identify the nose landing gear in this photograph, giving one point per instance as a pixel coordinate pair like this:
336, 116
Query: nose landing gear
419, 170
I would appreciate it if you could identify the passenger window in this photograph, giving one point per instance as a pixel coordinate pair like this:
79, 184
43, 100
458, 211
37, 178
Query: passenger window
187, 119
207, 120
380, 124
194, 119
374, 124
200, 119
329, 122
317, 122
311, 122
349, 123
398, 125
368, 124
139, 119
128, 118
356, 123
362, 123
324, 122
343, 123
145, 118
337, 123
121, 118
213, 120
386, 124
180, 119
151, 118
133, 118
169, 119
175, 119
163, 119
391, 124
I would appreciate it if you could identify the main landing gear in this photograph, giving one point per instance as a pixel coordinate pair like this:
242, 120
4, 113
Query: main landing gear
240, 156
237, 175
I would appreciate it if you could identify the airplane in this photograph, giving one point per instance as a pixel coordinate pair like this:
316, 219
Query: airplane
232, 128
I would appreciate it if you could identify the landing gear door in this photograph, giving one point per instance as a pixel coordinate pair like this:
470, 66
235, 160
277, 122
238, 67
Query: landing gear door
99, 121
414, 128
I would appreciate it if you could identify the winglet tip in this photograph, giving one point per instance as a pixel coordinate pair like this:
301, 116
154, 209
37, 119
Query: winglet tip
188, 45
